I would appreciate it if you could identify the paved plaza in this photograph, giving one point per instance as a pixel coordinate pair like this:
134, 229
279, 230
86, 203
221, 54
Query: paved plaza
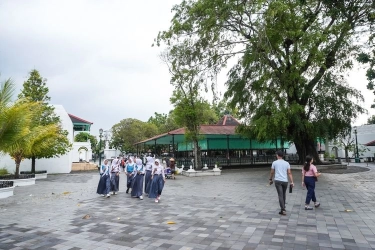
236, 210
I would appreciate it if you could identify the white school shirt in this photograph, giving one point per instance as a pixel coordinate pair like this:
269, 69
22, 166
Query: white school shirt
159, 170
150, 162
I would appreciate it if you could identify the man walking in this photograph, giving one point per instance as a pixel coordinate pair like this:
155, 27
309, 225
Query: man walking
281, 169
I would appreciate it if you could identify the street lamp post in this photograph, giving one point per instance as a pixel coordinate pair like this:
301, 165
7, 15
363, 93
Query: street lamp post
100, 146
356, 146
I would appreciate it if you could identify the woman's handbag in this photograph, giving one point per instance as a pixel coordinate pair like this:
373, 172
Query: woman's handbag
315, 178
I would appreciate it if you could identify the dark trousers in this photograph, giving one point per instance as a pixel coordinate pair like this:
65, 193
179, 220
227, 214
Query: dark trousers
281, 192
310, 186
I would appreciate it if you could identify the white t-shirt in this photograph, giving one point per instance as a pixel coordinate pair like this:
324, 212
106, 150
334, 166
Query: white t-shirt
281, 170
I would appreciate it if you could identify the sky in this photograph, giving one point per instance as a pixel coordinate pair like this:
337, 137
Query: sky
97, 57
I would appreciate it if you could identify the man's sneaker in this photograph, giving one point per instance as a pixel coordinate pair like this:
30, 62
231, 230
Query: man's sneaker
317, 204
114, 193
156, 200
103, 195
308, 208
127, 190
141, 197
108, 195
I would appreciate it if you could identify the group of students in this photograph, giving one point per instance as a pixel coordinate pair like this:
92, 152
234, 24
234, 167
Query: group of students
142, 179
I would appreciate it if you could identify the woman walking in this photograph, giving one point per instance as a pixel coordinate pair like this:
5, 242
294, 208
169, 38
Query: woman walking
115, 175
104, 184
309, 177
139, 174
149, 163
129, 171
158, 180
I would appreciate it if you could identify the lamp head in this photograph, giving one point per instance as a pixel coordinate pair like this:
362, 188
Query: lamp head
101, 131
355, 129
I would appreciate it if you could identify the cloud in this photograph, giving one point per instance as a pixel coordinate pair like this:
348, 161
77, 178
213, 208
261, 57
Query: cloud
96, 55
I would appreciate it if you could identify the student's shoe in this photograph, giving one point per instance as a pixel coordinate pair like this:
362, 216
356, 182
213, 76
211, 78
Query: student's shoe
308, 208
103, 195
156, 200
127, 190
282, 212
317, 204
114, 193
141, 197
108, 195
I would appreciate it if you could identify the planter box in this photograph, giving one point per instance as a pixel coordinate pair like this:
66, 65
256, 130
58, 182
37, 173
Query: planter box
23, 182
6, 189
6, 192
201, 173
38, 174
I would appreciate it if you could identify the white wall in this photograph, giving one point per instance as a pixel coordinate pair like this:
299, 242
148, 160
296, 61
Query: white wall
365, 134
81, 153
63, 164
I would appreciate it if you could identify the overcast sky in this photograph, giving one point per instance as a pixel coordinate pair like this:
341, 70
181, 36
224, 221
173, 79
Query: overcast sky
97, 56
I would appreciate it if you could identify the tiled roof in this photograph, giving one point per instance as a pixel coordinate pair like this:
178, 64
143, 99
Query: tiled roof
371, 143
76, 119
228, 120
208, 130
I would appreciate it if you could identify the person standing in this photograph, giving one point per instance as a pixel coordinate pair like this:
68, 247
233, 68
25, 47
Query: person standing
115, 175
309, 177
104, 184
158, 180
129, 171
149, 163
281, 170
172, 165
139, 174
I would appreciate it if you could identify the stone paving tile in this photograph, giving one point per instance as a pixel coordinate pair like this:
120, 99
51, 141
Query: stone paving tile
236, 210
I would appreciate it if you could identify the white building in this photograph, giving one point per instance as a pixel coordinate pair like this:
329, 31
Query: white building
62, 164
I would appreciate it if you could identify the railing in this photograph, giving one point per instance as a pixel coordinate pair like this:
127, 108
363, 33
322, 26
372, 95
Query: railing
224, 162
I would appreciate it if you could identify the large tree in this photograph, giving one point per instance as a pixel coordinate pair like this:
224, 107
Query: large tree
35, 90
290, 58
163, 122
130, 131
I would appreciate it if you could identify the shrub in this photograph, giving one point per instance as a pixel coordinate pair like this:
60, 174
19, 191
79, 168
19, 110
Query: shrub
3, 171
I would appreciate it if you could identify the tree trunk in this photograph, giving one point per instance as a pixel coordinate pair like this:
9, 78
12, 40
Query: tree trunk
346, 155
304, 147
33, 165
17, 173
197, 156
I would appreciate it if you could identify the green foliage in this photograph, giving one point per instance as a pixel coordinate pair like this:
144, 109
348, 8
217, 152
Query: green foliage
371, 120
163, 122
368, 58
130, 131
3, 171
14, 117
84, 137
35, 90
290, 58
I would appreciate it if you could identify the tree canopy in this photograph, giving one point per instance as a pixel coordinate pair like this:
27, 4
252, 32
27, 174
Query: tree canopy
35, 90
84, 137
130, 131
290, 59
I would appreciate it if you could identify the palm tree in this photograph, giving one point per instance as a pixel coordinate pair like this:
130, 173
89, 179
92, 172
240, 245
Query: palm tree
14, 117
17, 135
